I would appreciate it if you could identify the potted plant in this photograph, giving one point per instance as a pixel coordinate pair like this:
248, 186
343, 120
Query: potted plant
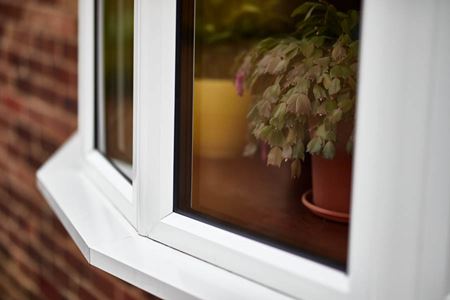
303, 89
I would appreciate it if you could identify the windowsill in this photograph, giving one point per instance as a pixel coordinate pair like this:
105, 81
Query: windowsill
110, 243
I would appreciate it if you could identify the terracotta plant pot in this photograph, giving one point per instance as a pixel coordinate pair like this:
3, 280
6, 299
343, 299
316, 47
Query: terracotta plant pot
331, 182
220, 123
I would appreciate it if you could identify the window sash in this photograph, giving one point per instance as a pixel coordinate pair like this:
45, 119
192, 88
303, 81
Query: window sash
390, 187
100, 170
376, 223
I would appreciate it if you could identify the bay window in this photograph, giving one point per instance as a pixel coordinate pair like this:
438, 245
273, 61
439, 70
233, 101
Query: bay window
213, 135
114, 82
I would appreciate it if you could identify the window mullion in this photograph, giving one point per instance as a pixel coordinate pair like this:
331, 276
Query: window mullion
154, 62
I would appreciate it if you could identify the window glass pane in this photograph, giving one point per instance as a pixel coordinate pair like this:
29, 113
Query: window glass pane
265, 112
115, 82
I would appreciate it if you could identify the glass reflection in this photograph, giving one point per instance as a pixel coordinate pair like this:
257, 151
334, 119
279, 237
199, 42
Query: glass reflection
274, 95
115, 78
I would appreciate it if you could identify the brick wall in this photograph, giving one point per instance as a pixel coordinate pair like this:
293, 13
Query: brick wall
38, 107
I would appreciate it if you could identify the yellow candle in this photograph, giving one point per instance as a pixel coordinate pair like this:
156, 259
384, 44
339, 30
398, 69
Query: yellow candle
220, 123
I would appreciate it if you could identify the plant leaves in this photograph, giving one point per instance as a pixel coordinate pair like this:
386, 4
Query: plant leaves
266, 44
330, 106
340, 71
335, 86
349, 146
302, 9
278, 118
323, 61
264, 132
295, 74
275, 63
329, 150
272, 93
345, 26
338, 53
302, 105
264, 109
335, 116
275, 157
346, 104
321, 132
291, 137
275, 138
307, 48
315, 145
302, 86
253, 113
298, 151
321, 110
296, 168
287, 152
291, 101
318, 41
250, 149
280, 67
331, 135
280, 111
319, 92
326, 81
314, 72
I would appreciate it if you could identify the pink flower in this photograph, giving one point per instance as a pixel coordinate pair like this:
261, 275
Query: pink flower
239, 82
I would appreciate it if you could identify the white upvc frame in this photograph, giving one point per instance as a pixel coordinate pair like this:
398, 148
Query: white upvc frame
100, 170
400, 219
396, 163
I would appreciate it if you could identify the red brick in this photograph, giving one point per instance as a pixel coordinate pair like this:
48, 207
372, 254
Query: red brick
48, 290
9, 10
38, 111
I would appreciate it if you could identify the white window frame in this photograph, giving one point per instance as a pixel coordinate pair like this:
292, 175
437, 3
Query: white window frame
400, 225
100, 169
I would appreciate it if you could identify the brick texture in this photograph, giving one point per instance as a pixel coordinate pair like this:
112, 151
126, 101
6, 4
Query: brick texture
38, 108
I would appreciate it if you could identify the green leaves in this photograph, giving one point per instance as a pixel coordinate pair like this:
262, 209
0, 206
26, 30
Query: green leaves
321, 132
264, 109
303, 9
315, 145
250, 149
335, 116
287, 152
302, 87
297, 102
298, 151
345, 103
291, 136
349, 146
295, 75
318, 41
302, 105
275, 137
334, 87
301, 82
263, 132
319, 92
279, 67
272, 93
307, 48
275, 157
329, 150
296, 169
278, 119
338, 53
341, 71
280, 111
